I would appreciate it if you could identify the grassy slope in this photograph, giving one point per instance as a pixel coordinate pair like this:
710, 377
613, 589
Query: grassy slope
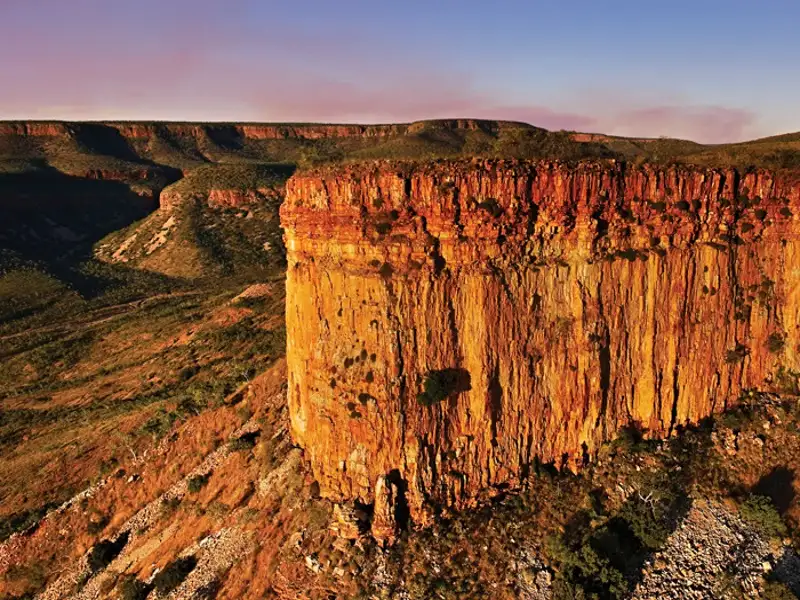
100, 378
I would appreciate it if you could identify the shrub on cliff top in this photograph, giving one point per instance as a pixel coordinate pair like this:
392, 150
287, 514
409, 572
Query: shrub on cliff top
776, 590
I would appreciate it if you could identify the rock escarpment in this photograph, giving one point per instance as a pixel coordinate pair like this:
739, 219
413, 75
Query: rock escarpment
451, 324
232, 132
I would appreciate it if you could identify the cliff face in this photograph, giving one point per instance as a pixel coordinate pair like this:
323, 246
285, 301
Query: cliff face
248, 131
554, 304
230, 198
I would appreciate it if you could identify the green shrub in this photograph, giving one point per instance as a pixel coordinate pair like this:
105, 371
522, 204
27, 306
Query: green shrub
736, 355
630, 439
650, 521
787, 381
247, 332
583, 572
157, 425
761, 513
197, 483
187, 372
254, 302
736, 418
243, 443
776, 342
94, 527
22, 520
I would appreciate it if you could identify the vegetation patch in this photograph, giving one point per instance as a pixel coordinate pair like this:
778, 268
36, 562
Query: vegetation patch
760, 512
197, 483
737, 354
21, 521
775, 342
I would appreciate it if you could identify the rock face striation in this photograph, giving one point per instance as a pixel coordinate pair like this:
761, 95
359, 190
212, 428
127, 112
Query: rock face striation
452, 323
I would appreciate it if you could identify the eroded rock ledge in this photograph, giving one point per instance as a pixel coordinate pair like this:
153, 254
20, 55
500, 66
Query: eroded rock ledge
564, 301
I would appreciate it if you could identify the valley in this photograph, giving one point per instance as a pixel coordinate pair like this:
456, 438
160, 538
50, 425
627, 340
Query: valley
443, 359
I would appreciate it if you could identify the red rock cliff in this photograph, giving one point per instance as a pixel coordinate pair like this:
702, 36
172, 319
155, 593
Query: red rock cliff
145, 131
570, 300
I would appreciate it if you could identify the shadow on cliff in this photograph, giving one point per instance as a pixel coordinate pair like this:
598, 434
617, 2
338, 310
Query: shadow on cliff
402, 513
444, 383
53, 220
786, 571
778, 486
101, 139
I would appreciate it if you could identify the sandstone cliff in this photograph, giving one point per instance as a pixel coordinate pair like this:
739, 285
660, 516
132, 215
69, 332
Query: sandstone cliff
560, 303
133, 130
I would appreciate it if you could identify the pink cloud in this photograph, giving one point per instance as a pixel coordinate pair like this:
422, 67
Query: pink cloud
200, 70
708, 124
400, 96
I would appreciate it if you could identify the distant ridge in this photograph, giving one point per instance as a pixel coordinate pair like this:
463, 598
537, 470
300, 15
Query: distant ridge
185, 144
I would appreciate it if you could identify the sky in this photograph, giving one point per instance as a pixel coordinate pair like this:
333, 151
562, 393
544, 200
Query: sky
708, 70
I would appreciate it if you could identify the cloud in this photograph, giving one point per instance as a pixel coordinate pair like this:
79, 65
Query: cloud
409, 97
195, 62
402, 97
708, 124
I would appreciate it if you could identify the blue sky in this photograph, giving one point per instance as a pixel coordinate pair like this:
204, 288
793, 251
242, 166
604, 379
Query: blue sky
707, 70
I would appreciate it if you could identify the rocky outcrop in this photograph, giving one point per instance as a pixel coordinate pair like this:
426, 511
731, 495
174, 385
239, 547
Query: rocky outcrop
172, 199
145, 131
453, 323
34, 128
236, 198
712, 549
